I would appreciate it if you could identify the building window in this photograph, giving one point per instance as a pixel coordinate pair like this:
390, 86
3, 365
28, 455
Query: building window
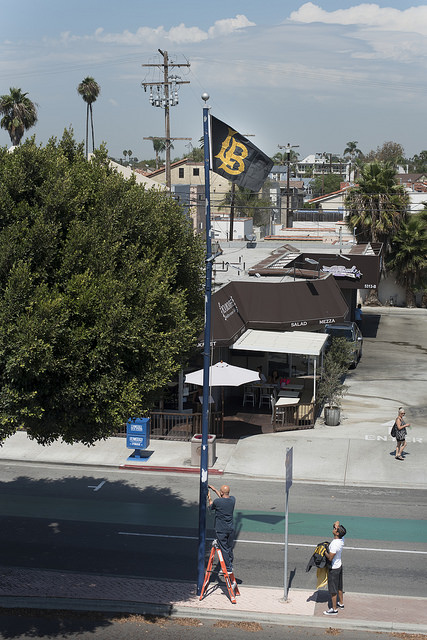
181, 172
196, 172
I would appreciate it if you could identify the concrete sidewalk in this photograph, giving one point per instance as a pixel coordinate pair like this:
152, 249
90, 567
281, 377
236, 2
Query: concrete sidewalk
33, 588
362, 456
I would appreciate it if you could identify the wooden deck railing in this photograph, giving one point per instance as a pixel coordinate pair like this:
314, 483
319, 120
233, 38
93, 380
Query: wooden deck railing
176, 425
302, 416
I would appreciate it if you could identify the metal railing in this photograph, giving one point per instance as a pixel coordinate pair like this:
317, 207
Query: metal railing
175, 425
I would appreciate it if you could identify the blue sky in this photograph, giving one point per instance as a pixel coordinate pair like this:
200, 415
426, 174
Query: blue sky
314, 74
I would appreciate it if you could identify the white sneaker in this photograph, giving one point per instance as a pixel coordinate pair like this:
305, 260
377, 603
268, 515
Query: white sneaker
331, 612
340, 606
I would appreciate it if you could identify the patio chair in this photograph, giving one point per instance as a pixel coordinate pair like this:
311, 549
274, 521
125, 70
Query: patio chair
249, 395
277, 414
264, 396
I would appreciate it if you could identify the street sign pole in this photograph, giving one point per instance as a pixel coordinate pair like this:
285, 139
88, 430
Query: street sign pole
288, 467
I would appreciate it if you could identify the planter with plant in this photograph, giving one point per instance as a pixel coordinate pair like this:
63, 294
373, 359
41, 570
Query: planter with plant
331, 386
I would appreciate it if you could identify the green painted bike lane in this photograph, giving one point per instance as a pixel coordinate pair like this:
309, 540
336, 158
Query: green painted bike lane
178, 516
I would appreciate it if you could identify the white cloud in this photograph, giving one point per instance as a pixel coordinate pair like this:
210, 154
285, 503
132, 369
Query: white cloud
413, 20
183, 35
225, 27
180, 34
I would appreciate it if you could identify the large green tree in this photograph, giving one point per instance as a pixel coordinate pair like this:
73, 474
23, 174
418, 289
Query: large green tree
19, 114
89, 90
408, 256
391, 153
419, 162
324, 184
101, 293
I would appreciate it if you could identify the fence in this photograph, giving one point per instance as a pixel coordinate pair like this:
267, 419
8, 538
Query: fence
176, 425
302, 416
313, 215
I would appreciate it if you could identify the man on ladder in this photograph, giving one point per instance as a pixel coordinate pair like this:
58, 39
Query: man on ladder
223, 506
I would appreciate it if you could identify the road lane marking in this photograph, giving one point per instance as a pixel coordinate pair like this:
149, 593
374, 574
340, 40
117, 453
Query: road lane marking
267, 542
96, 487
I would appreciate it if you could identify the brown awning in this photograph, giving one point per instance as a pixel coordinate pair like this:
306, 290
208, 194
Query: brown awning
275, 306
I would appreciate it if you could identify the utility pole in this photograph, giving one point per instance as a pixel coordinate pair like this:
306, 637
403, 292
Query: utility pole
288, 162
166, 97
232, 200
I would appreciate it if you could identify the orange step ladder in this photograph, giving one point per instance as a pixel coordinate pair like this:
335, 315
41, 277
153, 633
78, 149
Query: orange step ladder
229, 578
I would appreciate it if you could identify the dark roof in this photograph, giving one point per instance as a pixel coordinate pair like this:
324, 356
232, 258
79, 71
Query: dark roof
410, 177
275, 306
365, 258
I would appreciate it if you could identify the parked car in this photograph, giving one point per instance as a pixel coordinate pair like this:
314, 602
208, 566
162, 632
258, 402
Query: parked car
351, 332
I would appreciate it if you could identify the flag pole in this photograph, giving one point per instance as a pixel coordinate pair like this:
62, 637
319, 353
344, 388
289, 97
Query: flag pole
206, 357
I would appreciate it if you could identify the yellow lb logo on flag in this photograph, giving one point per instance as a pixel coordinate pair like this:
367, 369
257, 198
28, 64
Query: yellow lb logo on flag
232, 162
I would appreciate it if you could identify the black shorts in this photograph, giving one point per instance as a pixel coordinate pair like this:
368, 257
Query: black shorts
335, 580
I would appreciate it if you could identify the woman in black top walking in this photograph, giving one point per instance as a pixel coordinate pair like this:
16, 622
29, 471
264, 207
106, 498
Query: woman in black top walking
401, 425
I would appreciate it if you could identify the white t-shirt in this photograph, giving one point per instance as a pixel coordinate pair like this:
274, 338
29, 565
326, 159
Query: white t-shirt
336, 546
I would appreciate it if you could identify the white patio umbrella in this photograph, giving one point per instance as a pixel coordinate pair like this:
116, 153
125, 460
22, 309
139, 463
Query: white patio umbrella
222, 374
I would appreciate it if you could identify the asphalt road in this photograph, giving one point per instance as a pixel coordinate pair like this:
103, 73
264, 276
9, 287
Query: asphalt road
21, 625
146, 524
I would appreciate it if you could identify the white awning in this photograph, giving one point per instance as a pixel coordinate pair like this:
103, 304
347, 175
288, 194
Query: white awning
296, 342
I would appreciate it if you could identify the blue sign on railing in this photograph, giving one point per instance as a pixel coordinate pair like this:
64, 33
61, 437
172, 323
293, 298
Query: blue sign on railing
138, 433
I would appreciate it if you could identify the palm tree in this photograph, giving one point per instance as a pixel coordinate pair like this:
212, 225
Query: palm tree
19, 114
159, 145
408, 256
377, 206
89, 90
353, 151
279, 158
282, 158
248, 204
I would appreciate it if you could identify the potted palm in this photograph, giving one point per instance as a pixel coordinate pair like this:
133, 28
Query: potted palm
331, 386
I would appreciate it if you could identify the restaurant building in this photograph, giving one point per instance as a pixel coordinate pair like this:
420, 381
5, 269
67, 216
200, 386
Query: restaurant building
272, 315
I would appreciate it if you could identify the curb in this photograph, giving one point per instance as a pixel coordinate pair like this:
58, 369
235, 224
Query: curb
164, 469
214, 472
168, 610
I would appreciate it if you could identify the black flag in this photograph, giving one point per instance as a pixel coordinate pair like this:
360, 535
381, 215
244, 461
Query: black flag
237, 159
